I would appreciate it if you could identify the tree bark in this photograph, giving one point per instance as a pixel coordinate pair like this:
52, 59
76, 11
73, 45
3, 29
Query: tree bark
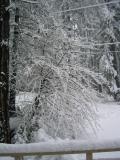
12, 109
4, 72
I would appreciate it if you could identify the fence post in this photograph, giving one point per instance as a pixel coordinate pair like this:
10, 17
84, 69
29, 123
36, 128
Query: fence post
89, 156
19, 158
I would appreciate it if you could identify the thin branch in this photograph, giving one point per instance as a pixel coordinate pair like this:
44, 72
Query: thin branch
85, 7
31, 2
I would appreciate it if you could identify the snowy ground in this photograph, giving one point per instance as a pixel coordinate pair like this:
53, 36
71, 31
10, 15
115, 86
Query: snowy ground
109, 120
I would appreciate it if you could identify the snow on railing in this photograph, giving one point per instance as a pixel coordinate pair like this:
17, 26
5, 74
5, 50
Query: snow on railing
18, 151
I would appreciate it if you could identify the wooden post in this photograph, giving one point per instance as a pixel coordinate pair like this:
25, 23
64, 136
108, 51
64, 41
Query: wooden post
19, 158
89, 156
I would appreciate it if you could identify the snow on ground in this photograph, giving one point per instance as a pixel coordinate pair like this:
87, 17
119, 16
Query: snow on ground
109, 127
108, 115
6, 158
108, 118
109, 121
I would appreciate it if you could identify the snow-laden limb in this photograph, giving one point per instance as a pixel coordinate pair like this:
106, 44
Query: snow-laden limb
60, 147
31, 2
11, 6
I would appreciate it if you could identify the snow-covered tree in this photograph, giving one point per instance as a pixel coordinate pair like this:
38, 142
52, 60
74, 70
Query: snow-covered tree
64, 59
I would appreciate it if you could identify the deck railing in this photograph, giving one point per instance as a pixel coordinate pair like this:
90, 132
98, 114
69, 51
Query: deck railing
18, 151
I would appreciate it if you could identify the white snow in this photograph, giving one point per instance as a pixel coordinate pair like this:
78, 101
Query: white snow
6, 158
32, 2
2, 73
109, 119
4, 42
108, 135
24, 98
60, 147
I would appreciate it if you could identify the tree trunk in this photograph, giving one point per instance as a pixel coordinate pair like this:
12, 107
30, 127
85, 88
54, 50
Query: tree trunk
4, 72
14, 66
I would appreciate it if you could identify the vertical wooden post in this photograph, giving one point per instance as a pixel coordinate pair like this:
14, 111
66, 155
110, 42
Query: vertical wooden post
89, 156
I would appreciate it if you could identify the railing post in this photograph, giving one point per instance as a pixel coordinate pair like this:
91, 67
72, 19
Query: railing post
19, 158
89, 156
